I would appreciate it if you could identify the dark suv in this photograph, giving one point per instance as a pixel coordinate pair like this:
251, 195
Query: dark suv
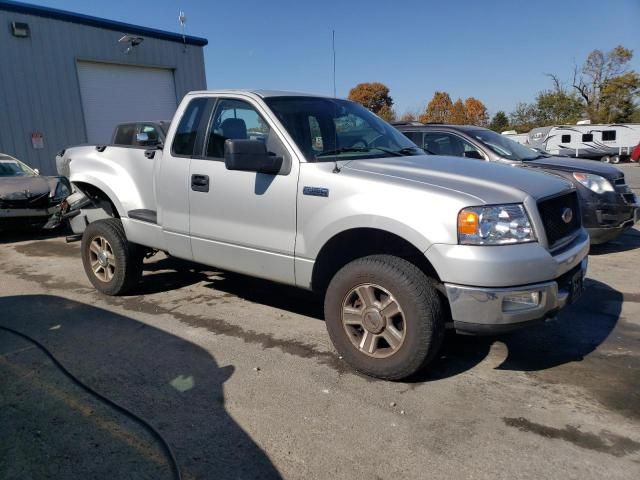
608, 205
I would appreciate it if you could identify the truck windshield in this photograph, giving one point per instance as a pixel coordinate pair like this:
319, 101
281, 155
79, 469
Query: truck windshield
326, 128
505, 147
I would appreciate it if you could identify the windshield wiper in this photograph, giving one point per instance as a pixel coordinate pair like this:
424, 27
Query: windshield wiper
338, 151
396, 153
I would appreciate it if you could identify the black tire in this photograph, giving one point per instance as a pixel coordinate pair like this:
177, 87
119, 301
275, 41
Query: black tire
127, 257
423, 315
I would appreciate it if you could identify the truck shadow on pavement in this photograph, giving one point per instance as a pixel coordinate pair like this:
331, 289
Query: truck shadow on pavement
630, 240
51, 428
577, 332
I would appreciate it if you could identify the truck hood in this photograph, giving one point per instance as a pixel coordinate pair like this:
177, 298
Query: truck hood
489, 182
568, 164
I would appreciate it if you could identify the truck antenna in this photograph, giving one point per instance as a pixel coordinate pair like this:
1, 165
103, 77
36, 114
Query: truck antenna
182, 19
336, 168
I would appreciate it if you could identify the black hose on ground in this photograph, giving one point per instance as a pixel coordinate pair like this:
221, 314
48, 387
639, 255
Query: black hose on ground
141, 421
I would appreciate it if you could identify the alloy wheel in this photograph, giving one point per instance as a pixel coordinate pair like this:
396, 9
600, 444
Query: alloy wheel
373, 320
102, 259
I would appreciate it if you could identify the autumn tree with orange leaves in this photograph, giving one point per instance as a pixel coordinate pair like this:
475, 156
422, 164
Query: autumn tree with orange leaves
439, 109
442, 110
458, 113
375, 97
476, 112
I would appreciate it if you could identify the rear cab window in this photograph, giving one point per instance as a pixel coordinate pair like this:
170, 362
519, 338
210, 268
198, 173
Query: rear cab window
125, 134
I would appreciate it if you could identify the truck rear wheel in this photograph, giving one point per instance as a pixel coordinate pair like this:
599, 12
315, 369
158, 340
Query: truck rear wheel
384, 316
112, 263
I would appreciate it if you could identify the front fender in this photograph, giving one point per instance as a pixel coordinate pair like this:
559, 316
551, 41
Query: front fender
111, 172
310, 243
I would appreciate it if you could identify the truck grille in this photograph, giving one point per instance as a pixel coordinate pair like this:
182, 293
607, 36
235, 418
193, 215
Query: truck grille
552, 212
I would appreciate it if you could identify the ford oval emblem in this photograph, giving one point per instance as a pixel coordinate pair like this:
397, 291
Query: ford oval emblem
567, 215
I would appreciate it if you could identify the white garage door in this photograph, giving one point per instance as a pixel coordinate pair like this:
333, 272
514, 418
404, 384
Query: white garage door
113, 94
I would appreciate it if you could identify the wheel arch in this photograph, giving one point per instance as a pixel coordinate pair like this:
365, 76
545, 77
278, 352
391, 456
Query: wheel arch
101, 196
355, 243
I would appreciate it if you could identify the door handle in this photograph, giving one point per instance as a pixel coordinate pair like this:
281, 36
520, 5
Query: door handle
200, 183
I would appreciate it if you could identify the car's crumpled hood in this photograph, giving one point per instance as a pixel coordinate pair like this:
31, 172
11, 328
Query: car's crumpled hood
16, 188
490, 182
569, 164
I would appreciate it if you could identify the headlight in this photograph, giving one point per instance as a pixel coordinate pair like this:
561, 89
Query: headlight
61, 192
494, 225
595, 183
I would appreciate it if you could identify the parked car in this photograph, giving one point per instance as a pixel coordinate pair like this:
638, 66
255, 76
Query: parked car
132, 134
609, 207
333, 199
26, 197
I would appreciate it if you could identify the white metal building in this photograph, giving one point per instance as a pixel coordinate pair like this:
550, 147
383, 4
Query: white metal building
67, 78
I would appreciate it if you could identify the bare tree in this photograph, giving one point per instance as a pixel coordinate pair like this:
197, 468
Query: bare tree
596, 72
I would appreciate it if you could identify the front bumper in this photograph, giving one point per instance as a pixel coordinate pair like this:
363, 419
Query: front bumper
18, 217
478, 310
621, 223
607, 216
17, 213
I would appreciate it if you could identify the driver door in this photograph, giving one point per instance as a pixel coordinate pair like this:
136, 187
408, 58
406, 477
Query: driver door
243, 221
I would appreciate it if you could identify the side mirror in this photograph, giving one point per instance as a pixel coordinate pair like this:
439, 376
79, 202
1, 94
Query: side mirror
250, 156
473, 154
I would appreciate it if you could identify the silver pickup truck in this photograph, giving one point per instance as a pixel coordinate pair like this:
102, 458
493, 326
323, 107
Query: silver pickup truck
322, 194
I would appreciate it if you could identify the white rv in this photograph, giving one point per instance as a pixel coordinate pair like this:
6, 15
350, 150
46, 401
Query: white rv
521, 138
608, 143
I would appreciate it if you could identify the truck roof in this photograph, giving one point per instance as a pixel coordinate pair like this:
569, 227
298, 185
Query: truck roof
260, 93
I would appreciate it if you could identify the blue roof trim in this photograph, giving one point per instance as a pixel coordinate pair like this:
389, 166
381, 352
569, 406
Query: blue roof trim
54, 13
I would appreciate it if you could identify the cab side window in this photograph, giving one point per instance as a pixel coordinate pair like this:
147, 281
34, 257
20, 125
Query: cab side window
415, 137
437, 143
238, 120
184, 140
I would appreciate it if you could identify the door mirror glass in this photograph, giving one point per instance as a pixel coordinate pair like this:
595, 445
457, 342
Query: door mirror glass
250, 156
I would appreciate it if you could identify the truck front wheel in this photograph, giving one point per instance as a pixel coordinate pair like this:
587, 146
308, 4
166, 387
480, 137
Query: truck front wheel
112, 263
384, 316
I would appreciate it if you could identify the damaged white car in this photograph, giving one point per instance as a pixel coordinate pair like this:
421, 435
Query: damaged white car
26, 197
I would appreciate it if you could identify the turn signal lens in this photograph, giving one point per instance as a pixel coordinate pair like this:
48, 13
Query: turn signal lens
467, 222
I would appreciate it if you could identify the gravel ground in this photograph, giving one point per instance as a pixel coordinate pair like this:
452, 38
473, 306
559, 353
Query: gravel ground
238, 376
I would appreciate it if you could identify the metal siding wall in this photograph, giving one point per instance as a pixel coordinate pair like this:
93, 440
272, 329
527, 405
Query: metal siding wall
39, 89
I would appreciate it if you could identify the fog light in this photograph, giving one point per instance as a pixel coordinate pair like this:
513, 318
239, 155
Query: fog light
518, 301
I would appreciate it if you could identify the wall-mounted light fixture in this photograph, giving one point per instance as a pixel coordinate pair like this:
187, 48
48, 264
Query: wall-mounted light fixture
131, 41
20, 29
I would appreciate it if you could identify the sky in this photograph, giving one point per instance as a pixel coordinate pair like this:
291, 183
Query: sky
497, 51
